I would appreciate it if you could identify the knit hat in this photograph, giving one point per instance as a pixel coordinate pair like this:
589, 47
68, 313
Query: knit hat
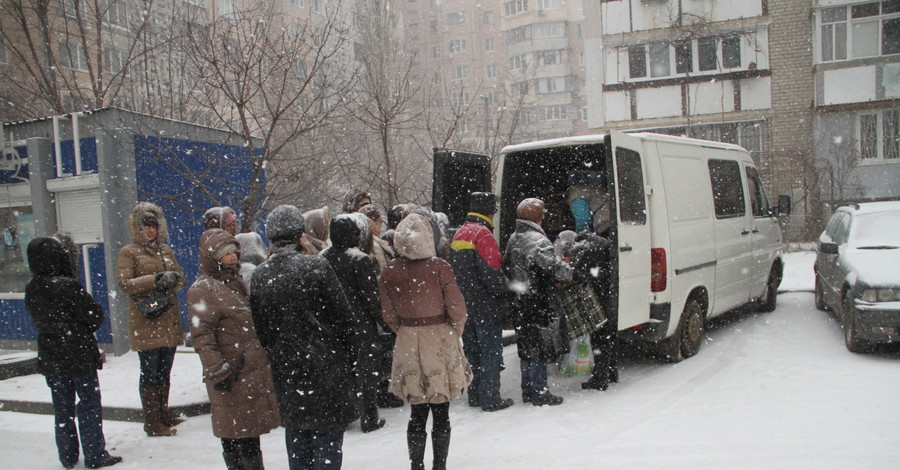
483, 203
225, 249
285, 223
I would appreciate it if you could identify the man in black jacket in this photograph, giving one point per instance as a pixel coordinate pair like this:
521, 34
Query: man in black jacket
307, 327
66, 317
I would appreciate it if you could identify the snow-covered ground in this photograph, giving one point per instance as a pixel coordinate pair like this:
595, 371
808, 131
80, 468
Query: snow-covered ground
766, 391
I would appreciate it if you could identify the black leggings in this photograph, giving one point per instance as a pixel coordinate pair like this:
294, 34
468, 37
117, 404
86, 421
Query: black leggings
245, 446
419, 417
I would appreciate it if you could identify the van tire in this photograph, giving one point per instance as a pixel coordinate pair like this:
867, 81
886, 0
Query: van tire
820, 295
688, 337
770, 297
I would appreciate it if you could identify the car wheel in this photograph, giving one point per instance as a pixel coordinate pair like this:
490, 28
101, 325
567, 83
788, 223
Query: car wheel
688, 337
820, 295
853, 343
770, 298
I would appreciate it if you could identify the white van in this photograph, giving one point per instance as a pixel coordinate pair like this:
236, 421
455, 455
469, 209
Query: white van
695, 236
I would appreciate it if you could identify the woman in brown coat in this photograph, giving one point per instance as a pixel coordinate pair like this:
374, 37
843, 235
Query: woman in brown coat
235, 365
423, 305
148, 264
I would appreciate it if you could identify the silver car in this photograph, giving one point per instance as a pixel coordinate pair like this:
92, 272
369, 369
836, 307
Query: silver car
858, 272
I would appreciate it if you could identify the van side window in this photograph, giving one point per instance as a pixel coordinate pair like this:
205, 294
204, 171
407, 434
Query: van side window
632, 204
728, 191
758, 203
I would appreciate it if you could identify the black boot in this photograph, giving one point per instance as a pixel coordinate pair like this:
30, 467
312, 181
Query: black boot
440, 445
232, 460
252, 462
416, 442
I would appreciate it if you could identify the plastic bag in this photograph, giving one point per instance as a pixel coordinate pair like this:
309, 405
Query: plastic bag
580, 359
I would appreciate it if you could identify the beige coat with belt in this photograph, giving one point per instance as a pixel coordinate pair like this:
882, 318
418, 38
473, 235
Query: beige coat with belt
137, 266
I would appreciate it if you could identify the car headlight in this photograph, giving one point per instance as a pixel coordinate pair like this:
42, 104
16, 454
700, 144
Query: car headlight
880, 295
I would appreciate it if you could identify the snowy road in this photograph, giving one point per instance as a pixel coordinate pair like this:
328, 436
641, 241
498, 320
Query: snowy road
766, 391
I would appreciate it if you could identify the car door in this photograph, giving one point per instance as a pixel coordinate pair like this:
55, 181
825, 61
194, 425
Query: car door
632, 229
829, 264
456, 175
732, 227
765, 233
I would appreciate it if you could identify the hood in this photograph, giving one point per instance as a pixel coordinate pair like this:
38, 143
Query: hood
48, 256
317, 222
253, 250
874, 267
345, 233
211, 242
215, 217
354, 199
414, 238
365, 234
137, 229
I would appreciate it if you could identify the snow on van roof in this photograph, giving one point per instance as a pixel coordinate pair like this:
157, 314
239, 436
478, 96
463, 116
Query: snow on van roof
596, 138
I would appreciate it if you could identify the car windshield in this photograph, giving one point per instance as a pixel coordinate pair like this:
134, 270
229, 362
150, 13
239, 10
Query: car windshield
878, 230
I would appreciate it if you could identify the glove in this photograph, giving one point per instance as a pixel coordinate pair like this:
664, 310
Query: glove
166, 280
222, 378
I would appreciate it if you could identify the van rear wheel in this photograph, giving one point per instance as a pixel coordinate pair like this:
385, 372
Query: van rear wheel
688, 337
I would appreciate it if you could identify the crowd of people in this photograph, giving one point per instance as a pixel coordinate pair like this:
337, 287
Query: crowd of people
330, 322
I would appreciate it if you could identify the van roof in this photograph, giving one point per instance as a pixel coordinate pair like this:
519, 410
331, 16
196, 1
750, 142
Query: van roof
598, 138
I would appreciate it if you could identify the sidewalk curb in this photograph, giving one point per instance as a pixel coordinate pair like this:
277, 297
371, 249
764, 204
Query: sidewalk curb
110, 413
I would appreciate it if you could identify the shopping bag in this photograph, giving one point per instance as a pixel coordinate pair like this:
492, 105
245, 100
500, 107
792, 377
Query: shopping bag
581, 309
580, 359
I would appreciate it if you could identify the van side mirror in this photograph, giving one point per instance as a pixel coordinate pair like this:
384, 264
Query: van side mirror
828, 248
784, 205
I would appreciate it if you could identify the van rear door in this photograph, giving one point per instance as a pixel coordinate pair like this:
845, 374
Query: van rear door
632, 230
456, 175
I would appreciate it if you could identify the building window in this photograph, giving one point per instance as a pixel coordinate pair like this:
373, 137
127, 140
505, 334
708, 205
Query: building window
17, 224
299, 3
117, 14
459, 99
550, 29
518, 62
436, 78
493, 98
488, 17
550, 57
72, 56
112, 60
459, 72
707, 54
517, 35
457, 18
491, 71
68, 8
457, 45
490, 44
659, 60
856, 31
637, 61
684, 57
731, 52
547, 4
514, 7
435, 52
558, 112
879, 135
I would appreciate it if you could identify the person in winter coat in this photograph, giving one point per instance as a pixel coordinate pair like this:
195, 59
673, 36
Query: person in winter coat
235, 365
253, 254
354, 199
316, 222
394, 216
220, 217
421, 302
66, 317
359, 280
145, 265
306, 325
533, 268
591, 261
382, 252
475, 258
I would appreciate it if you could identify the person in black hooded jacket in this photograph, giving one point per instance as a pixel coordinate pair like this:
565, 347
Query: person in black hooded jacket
66, 317
359, 279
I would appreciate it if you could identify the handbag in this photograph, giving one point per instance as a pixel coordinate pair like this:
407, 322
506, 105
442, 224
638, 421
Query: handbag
154, 305
578, 304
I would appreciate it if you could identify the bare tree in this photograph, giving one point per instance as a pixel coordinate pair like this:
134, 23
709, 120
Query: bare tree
261, 77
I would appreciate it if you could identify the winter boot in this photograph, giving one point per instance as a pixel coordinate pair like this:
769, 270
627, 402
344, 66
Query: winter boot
168, 418
252, 462
370, 421
153, 425
440, 444
416, 442
232, 460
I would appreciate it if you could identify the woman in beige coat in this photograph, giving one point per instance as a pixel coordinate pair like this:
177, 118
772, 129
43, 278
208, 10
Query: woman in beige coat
148, 264
423, 305
235, 365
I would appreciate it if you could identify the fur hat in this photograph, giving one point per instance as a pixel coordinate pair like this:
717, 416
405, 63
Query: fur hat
285, 223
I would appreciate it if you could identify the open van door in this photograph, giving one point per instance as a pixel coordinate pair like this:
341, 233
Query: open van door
632, 229
456, 175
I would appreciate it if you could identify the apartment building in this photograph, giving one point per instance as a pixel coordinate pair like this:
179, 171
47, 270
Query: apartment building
512, 67
857, 98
